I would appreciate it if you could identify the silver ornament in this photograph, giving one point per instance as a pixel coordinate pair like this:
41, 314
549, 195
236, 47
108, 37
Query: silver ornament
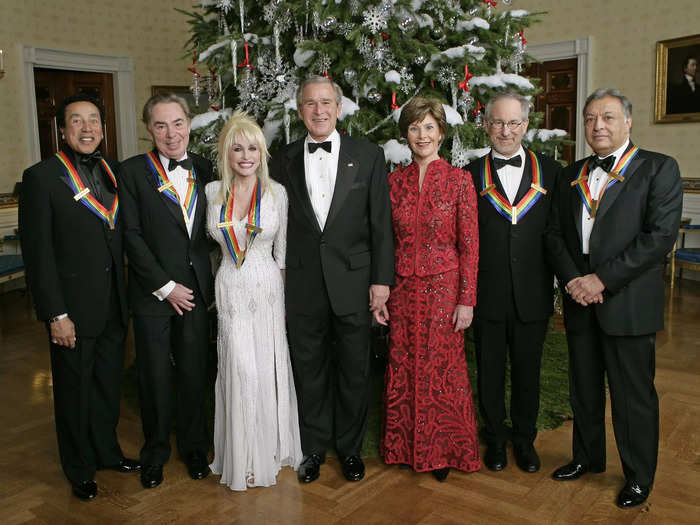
329, 24
350, 75
473, 40
473, 11
419, 60
507, 2
407, 24
437, 33
374, 96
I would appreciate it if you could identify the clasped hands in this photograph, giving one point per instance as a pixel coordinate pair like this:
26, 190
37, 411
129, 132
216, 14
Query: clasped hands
586, 290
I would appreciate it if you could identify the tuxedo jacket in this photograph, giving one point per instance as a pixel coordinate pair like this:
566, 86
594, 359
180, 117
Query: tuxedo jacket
71, 256
356, 246
512, 260
682, 98
635, 227
158, 246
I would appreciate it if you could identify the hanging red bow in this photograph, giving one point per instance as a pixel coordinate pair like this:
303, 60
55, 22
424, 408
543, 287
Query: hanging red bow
246, 62
478, 108
467, 76
193, 69
493, 3
394, 105
522, 36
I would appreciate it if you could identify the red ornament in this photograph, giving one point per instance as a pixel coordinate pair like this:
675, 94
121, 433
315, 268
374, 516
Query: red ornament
193, 69
522, 36
467, 76
385, 36
394, 105
215, 108
246, 62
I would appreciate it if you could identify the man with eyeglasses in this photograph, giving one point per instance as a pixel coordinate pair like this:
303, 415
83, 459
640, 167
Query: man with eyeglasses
614, 218
515, 284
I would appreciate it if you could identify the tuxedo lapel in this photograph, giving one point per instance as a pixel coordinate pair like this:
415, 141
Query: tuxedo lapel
526, 180
174, 209
612, 193
575, 203
345, 175
297, 181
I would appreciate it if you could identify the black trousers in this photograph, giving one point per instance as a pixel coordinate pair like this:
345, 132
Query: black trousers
331, 361
171, 357
629, 362
522, 342
86, 389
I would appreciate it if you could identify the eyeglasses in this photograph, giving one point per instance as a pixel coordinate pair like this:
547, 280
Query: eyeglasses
498, 125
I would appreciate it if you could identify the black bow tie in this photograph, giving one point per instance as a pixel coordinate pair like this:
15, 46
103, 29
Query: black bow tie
90, 158
185, 164
313, 146
516, 161
605, 164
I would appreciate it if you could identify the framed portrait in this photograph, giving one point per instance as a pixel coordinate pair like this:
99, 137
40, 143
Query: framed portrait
196, 106
677, 80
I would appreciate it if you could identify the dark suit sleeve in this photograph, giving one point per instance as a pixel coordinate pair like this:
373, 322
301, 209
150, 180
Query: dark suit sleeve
382, 271
658, 233
557, 253
36, 237
141, 260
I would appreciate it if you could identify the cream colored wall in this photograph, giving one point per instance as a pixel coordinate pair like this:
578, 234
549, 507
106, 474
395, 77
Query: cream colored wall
623, 36
151, 32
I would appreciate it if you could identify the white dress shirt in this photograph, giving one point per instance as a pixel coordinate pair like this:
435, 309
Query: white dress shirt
321, 169
179, 179
510, 176
597, 179
691, 82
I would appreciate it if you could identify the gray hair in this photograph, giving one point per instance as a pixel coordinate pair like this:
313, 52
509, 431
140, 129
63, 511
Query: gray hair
608, 92
501, 95
318, 79
165, 97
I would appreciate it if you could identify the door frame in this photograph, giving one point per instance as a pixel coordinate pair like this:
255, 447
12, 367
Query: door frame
580, 49
122, 70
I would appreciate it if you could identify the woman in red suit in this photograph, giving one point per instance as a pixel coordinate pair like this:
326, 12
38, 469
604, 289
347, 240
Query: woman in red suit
430, 422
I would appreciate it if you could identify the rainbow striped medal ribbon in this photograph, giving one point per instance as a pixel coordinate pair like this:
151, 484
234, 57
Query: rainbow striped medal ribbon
82, 194
227, 221
516, 212
617, 174
165, 186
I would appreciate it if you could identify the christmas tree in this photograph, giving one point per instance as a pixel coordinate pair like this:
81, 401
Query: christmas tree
252, 55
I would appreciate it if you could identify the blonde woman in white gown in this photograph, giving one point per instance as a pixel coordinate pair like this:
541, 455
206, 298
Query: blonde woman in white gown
256, 428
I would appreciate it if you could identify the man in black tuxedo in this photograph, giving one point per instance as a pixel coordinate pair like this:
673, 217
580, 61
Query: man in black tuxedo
170, 287
340, 258
615, 217
515, 284
71, 236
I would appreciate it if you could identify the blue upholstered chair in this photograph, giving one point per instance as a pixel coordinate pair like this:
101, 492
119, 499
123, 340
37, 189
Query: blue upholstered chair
682, 257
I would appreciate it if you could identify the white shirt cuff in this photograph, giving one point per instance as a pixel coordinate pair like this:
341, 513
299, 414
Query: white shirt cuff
163, 292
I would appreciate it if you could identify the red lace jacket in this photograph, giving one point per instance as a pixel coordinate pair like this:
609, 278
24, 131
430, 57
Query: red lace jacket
436, 227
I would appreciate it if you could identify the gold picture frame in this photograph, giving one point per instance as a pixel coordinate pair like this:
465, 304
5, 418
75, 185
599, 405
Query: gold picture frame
675, 101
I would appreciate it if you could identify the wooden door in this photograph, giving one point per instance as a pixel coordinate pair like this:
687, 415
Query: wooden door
558, 98
52, 86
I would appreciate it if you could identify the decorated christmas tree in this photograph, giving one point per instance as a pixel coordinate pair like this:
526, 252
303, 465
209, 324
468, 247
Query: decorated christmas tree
252, 55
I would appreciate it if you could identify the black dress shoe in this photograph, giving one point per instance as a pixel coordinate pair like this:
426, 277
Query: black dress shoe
495, 457
310, 468
569, 472
85, 490
353, 468
125, 465
526, 457
151, 476
197, 465
441, 474
632, 495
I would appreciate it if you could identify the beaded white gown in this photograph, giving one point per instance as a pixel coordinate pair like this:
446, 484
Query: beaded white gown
256, 427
